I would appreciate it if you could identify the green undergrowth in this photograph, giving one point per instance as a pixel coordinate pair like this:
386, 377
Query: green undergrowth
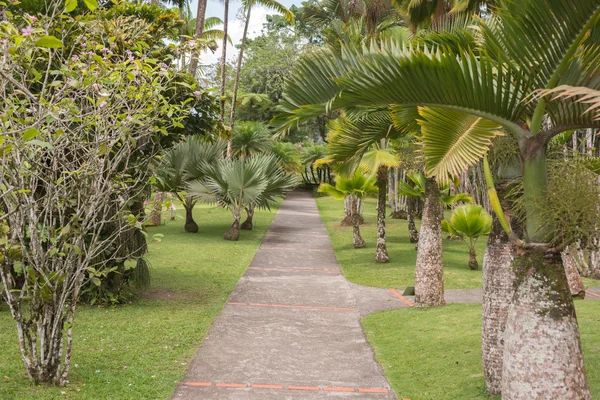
141, 350
435, 353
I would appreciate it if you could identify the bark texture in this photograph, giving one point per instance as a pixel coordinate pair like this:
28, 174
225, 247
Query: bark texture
190, 225
358, 240
542, 353
429, 277
233, 233
248, 224
412, 227
200, 13
155, 215
573, 278
498, 287
381, 254
473, 264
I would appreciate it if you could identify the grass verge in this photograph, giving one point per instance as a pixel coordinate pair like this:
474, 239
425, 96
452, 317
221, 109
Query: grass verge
435, 353
141, 350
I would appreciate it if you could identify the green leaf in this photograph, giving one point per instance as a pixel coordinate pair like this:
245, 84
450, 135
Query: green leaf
96, 281
70, 5
30, 134
40, 143
91, 4
49, 42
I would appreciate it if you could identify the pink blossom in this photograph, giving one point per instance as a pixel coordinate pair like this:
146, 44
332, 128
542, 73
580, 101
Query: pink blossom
95, 87
197, 94
30, 17
103, 104
75, 58
27, 31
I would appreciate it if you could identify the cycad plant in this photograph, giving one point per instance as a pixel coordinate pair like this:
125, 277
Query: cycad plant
240, 183
464, 95
357, 185
469, 222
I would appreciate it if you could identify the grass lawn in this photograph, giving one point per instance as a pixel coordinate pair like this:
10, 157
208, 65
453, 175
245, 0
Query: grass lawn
359, 265
436, 353
141, 350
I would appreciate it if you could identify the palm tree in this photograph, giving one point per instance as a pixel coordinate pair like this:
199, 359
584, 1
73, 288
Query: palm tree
464, 97
200, 13
182, 164
359, 186
469, 221
248, 4
238, 183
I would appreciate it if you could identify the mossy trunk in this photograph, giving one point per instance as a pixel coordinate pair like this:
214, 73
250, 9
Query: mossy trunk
576, 286
473, 264
542, 351
381, 254
498, 279
429, 276
247, 225
358, 240
351, 205
190, 225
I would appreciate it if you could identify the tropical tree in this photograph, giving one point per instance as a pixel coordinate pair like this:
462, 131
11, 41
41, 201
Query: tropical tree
248, 4
200, 14
182, 164
469, 222
239, 183
359, 186
249, 138
470, 93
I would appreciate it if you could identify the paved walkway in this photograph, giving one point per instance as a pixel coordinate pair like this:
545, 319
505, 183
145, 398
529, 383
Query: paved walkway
291, 328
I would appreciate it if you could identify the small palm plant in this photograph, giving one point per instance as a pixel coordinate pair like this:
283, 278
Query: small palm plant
358, 185
469, 222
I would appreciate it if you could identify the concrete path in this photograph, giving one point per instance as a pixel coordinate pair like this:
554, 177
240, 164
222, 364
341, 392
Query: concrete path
291, 328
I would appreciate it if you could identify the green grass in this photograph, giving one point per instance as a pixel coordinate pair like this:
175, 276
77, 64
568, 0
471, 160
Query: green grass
359, 266
435, 353
141, 350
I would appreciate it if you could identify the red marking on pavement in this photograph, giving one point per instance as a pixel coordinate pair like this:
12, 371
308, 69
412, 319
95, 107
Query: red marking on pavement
280, 305
302, 307
345, 309
402, 298
197, 383
592, 293
231, 385
302, 388
290, 306
364, 390
267, 387
259, 305
338, 389
323, 308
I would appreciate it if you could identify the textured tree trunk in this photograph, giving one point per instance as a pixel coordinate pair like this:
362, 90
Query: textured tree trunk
498, 287
429, 277
473, 264
239, 67
576, 286
201, 11
542, 350
410, 216
358, 240
381, 254
247, 225
155, 216
233, 233
223, 65
352, 204
190, 225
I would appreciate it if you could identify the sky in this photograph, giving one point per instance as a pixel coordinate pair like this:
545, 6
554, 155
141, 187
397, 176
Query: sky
258, 16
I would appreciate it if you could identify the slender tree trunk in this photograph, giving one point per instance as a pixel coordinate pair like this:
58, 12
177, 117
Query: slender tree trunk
410, 216
200, 13
233, 233
381, 254
542, 353
223, 65
357, 238
155, 216
429, 277
190, 225
473, 264
247, 224
498, 278
237, 72
576, 286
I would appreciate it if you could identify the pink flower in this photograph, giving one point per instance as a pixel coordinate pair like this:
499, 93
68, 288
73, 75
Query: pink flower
30, 17
75, 58
197, 94
27, 31
103, 104
95, 87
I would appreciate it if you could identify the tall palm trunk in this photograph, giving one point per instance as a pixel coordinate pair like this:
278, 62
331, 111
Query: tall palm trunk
223, 64
239, 67
410, 216
381, 254
200, 13
429, 277
248, 223
542, 346
498, 287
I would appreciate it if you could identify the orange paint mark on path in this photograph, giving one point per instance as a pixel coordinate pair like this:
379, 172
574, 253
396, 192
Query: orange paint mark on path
592, 293
402, 298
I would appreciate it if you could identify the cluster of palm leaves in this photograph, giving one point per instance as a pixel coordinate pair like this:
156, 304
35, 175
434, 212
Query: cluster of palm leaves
469, 222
